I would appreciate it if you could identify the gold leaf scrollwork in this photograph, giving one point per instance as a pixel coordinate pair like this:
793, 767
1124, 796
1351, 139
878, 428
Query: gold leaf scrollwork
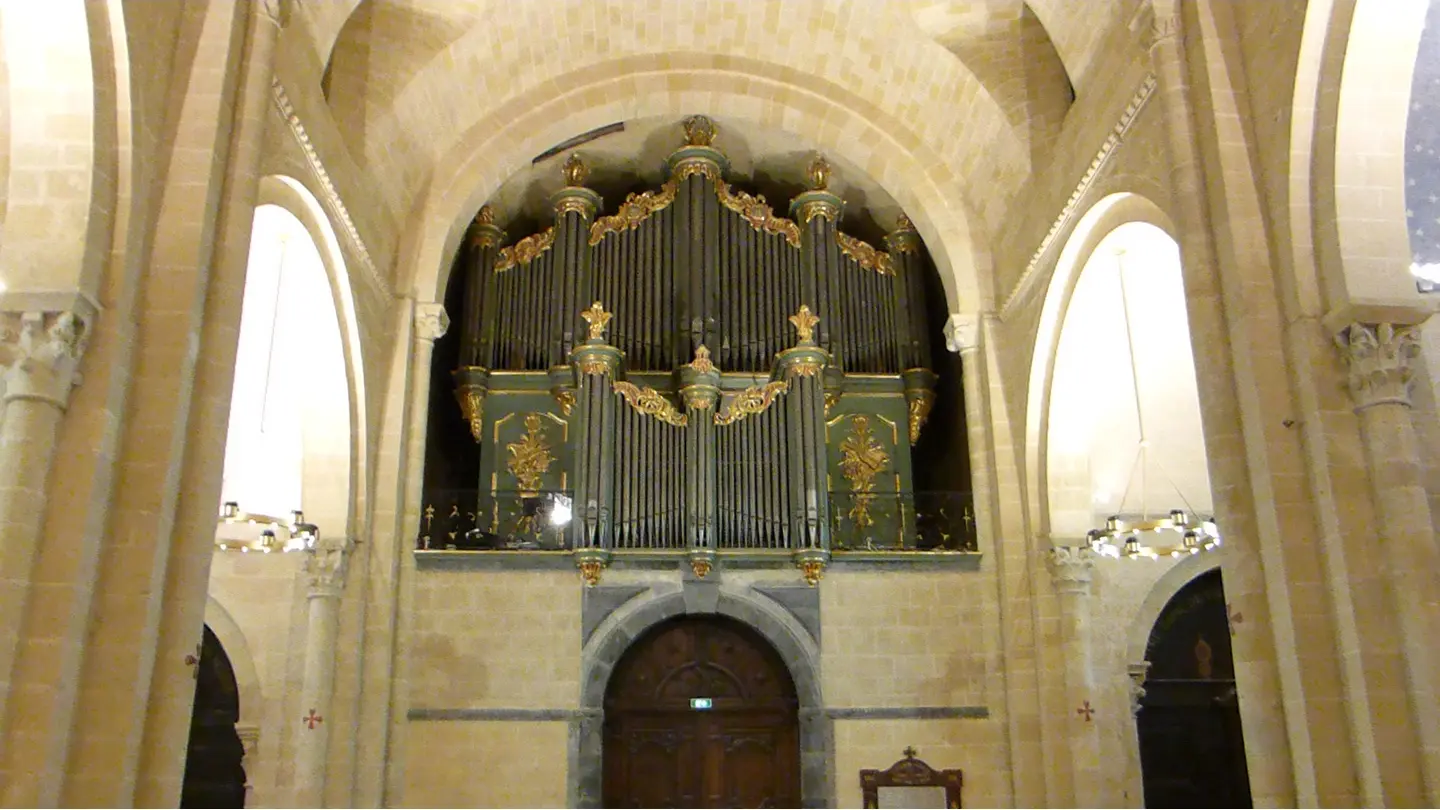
865, 255
861, 459
804, 368
472, 407
650, 402
751, 402
530, 457
756, 212
832, 398
566, 399
702, 363
636, 209
526, 250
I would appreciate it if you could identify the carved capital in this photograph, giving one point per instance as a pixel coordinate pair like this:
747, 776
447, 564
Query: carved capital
41, 352
1137, 674
325, 565
1155, 28
962, 333
1071, 566
1381, 362
431, 322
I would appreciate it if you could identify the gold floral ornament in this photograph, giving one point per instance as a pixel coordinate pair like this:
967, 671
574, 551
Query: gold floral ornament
865, 255
526, 250
804, 321
598, 319
861, 459
753, 401
650, 402
530, 457
919, 409
575, 171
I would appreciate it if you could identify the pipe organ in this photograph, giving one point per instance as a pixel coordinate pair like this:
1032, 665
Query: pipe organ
694, 374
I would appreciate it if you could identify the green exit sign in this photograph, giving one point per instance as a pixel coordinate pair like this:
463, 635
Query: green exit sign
701, 703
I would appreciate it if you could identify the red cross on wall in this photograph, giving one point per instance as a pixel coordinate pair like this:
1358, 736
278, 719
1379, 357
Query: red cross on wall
312, 719
1085, 711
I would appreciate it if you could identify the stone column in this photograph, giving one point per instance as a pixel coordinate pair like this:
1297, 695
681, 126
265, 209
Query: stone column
249, 735
1381, 361
41, 352
1070, 570
325, 570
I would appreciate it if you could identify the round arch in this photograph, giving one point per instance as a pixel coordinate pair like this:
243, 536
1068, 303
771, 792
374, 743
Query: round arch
1347, 155
775, 624
290, 194
232, 638
1137, 638
748, 90
1109, 213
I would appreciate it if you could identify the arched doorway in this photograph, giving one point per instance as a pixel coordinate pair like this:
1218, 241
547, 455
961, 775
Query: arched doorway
213, 774
1192, 752
701, 712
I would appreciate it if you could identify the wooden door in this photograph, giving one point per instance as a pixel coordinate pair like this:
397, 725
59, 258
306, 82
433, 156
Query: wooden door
661, 751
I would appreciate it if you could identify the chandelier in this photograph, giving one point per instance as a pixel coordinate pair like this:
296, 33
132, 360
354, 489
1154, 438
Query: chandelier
274, 534
1136, 535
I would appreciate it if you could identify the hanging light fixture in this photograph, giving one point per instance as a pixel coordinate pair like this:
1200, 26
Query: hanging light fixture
1135, 535
276, 534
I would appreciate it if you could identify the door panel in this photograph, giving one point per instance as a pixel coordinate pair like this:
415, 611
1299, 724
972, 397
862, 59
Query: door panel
742, 752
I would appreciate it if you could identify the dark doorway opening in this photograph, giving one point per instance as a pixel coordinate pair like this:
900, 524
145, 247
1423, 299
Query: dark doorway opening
1192, 751
213, 774
701, 712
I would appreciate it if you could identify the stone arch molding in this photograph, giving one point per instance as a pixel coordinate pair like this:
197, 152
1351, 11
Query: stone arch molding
1164, 589
499, 143
668, 600
293, 196
237, 649
1107, 214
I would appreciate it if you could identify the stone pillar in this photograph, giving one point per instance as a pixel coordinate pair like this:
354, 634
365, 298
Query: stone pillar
249, 735
1134, 777
1070, 570
1381, 361
325, 570
41, 351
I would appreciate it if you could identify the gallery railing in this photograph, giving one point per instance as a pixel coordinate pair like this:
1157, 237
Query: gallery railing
467, 520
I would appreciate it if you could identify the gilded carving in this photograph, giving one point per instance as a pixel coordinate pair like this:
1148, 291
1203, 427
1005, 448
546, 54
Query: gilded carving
699, 131
526, 250
818, 173
575, 171
753, 401
472, 407
832, 398
812, 571
593, 364
598, 319
530, 457
650, 402
639, 207
861, 459
566, 399
590, 572
484, 232
865, 255
920, 404
804, 321
805, 368
701, 364
700, 566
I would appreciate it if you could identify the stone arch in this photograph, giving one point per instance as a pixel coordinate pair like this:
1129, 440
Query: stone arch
66, 79
293, 196
495, 146
775, 624
1137, 638
1347, 154
247, 679
1094, 225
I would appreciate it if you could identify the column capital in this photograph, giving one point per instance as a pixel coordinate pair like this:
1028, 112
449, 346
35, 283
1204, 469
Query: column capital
1381, 360
41, 353
962, 333
1070, 567
1155, 27
431, 321
325, 565
1137, 673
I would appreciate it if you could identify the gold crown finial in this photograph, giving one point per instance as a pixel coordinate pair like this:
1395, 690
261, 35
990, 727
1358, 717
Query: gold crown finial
575, 171
699, 130
804, 321
819, 173
903, 223
598, 319
486, 215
